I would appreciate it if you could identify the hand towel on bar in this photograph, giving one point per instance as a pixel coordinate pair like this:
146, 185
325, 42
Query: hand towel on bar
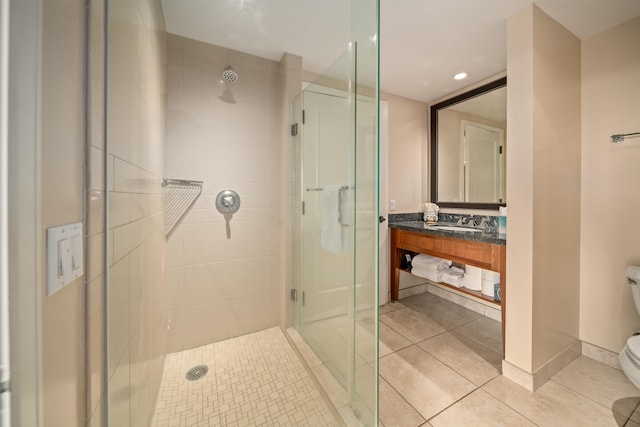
331, 236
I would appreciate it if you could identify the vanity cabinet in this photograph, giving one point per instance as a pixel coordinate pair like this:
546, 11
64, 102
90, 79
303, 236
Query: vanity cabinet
490, 256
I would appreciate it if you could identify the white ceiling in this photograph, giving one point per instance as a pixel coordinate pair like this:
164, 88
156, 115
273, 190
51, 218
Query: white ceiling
423, 43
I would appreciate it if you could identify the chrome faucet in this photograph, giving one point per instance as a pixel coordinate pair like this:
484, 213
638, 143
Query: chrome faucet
466, 219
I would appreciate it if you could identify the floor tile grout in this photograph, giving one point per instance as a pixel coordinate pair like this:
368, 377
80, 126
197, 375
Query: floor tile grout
416, 344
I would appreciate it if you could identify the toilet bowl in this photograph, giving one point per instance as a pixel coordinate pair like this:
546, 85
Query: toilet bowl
630, 355
630, 360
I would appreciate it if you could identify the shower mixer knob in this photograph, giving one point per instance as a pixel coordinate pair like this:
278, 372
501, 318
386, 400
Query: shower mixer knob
227, 202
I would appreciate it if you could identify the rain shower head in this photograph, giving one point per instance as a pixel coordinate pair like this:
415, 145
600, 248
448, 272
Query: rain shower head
229, 75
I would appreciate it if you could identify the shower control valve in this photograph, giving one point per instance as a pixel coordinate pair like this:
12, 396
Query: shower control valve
227, 202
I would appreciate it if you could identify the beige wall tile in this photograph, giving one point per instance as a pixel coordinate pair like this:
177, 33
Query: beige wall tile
96, 418
119, 209
192, 323
253, 312
126, 238
120, 393
95, 262
211, 141
96, 168
137, 107
118, 318
129, 178
95, 344
95, 215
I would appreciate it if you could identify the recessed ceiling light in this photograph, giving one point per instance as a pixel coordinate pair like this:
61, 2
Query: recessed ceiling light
460, 76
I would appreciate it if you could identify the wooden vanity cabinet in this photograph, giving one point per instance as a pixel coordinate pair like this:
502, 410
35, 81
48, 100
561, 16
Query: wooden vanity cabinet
489, 256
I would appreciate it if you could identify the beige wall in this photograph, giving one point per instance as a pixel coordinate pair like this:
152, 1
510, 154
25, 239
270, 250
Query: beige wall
223, 278
543, 288
135, 130
63, 358
408, 147
556, 190
519, 291
610, 230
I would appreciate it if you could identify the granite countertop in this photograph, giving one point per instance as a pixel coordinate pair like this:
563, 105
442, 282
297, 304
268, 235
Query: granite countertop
490, 236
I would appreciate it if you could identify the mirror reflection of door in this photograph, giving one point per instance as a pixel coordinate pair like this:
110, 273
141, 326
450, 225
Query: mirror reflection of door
482, 150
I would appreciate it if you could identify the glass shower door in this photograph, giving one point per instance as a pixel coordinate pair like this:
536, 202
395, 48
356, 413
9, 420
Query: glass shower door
337, 232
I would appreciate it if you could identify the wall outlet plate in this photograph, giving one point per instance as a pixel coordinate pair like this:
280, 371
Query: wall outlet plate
65, 255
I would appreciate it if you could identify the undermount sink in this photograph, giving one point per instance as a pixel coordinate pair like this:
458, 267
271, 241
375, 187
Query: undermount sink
446, 227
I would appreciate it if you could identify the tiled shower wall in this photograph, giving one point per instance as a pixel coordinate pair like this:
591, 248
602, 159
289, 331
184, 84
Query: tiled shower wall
136, 112
223, 274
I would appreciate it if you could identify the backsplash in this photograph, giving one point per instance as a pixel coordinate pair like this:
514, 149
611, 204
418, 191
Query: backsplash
489, 220
404, 217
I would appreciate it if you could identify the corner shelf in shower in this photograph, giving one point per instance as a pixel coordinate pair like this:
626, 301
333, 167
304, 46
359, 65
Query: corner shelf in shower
178, 196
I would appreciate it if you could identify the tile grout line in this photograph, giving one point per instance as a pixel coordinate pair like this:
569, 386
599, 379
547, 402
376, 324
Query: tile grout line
402, 397
507, 405
447, 330
594, 401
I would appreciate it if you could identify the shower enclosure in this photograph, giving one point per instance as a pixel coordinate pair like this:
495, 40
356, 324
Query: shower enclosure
191, 121
336, 245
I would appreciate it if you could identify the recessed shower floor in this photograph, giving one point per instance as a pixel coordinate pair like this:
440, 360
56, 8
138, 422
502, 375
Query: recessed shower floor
253, 380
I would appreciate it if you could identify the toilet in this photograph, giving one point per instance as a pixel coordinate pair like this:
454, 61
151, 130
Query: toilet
630, 355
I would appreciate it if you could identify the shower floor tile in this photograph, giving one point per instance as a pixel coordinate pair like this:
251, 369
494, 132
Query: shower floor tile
253, 380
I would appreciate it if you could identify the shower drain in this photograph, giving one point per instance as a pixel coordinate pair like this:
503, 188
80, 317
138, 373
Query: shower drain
197, 372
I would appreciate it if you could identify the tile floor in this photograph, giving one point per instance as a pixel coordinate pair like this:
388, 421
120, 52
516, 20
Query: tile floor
253, 380
440, 367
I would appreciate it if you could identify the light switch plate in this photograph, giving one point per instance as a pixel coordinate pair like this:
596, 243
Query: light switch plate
65, 255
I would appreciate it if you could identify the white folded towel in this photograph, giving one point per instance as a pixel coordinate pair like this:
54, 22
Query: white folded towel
332, 237
422, 260
453, 276
430, 273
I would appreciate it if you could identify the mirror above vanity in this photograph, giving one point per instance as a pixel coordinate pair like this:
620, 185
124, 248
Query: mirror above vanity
468, 148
